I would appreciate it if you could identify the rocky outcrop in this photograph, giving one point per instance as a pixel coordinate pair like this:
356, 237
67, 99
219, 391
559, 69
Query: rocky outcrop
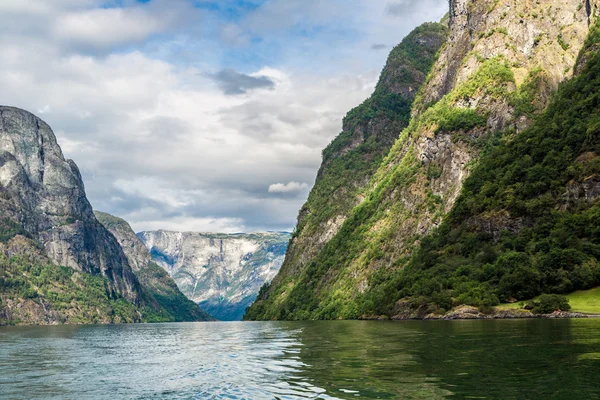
154, 279
469, 312
586, 190
136, 252
548, 35
222, 273
43, 193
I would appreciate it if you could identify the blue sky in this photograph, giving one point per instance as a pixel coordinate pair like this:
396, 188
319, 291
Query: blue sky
199, 115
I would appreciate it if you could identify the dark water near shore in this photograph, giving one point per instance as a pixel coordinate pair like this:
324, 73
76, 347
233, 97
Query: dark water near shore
526, 359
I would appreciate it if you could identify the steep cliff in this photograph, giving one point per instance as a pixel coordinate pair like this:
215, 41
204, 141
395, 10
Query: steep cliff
493, 78
34, 290
368, 133
58, 263
222, 273
154, 279
44, 194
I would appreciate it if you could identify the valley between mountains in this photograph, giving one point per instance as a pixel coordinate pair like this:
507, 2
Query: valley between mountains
467, 185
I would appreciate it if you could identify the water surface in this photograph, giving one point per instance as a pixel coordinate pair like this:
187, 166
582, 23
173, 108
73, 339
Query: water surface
527, 359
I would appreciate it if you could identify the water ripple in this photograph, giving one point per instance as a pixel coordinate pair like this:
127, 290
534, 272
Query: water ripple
312, 360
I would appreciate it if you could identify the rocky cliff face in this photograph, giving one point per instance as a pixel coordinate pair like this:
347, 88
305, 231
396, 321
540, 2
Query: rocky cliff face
44, 194
495, 75
33, 290
222, 273
502, 61
58, 263
154, 279
137, 254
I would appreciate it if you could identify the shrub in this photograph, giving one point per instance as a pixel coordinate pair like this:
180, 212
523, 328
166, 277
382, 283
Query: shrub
548, 303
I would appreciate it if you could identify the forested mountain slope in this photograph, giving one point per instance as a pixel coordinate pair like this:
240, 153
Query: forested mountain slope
481, 165
368, 133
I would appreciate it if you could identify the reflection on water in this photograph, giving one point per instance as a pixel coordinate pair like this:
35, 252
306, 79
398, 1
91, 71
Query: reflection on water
555, 359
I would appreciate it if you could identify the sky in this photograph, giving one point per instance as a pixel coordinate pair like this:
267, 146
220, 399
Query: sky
198, 115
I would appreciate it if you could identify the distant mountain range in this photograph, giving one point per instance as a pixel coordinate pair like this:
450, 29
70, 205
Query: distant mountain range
223, 273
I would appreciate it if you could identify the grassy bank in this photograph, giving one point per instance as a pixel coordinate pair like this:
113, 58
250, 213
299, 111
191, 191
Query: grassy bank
583, 301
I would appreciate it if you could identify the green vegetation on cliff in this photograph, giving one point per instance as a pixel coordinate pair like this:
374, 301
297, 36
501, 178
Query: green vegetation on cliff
370, 129
157, 282
352, 158
35, 291
525, 222
324, 288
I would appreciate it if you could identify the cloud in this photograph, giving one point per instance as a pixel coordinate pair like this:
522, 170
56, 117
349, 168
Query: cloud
90, 26
105, 28
290, 187
410, 7
234, 36
165, 145
378, 46
233, 82
187, 224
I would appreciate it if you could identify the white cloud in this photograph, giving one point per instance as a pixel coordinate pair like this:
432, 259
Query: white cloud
156, 139
88, 26
289, 187
234, 36
105, 28
186, 224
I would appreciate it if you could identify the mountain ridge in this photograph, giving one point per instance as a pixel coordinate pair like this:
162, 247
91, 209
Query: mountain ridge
154, 279
491, 80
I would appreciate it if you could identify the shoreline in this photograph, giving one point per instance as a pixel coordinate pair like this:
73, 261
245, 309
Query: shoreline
473, 313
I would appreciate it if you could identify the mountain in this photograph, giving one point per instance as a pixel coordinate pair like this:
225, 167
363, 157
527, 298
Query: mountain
223, 273
58, 264
368, 133
152, 277
486, 196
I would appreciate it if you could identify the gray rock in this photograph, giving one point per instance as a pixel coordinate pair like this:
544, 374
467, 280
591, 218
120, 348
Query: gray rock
44, 193
136, 252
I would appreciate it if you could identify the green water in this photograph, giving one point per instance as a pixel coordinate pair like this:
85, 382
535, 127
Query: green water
526, 359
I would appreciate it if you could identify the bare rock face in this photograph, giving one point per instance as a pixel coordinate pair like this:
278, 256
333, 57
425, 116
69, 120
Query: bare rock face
588, 190
136, 252
529, 34
44, 193
222, 273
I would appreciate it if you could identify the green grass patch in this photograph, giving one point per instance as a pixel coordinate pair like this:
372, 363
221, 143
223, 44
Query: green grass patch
583, 301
